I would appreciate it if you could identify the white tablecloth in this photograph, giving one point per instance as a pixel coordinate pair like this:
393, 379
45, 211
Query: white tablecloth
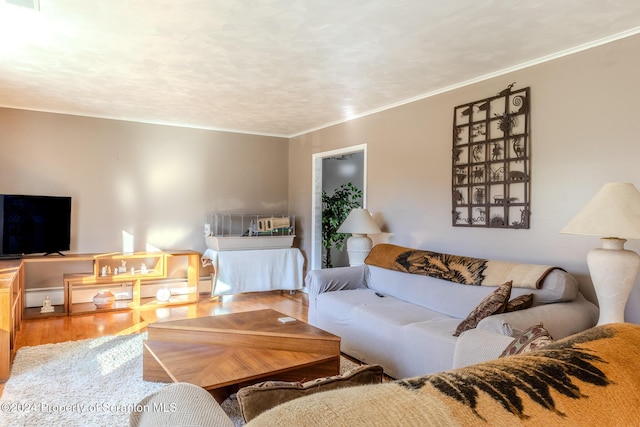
255, 270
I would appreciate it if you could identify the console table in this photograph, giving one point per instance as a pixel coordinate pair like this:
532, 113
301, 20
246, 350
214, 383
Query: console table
255, 270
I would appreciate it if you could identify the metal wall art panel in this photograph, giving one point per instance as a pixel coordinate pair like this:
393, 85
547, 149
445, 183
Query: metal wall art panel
491, 161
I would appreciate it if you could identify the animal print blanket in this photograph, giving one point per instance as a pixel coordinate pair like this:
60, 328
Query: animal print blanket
587, 379
456, 268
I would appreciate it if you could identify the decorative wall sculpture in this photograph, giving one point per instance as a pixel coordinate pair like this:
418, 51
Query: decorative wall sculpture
491, 161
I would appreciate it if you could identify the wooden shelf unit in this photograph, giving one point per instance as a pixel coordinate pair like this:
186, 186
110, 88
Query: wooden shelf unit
153, 264
155, 272
84, 270
44, 271
34, 312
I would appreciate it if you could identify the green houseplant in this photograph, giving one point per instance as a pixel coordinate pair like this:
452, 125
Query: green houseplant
335, 209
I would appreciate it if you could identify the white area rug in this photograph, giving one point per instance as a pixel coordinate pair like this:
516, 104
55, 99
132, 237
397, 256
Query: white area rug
76, 383
94, 382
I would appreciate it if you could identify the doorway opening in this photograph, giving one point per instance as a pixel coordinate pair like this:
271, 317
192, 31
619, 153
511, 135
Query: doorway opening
330, 170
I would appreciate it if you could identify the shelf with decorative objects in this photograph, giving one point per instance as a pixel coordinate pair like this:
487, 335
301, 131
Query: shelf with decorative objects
118, 266
240, 231
124, 281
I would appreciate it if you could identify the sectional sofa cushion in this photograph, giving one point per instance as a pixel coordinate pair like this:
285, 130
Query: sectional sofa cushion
457, 300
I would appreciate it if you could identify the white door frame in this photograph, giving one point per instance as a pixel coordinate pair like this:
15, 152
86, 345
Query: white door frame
316, 199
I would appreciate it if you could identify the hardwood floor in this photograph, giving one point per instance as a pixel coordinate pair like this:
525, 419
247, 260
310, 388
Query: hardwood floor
70, 328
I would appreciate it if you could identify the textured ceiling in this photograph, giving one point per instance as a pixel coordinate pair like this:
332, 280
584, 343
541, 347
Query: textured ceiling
277, 67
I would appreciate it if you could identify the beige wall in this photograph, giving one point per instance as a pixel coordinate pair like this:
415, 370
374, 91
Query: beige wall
584, 131
155, 182
158, 182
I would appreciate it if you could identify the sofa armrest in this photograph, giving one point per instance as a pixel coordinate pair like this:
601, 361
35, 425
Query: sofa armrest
179, 404
478, 345
336, 279
561, 319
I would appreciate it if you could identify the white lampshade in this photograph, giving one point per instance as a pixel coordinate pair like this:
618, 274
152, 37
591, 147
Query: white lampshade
613, 212
359, 221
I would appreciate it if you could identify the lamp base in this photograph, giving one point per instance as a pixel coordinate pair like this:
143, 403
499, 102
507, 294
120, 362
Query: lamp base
613, 272
358, 247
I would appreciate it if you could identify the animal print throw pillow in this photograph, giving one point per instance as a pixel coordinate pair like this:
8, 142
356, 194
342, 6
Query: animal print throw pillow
494, 303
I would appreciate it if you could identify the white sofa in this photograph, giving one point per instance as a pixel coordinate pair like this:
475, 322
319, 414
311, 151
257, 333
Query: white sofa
409, 329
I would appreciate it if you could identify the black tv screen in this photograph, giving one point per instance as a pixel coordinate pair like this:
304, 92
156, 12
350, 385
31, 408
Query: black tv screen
34, 224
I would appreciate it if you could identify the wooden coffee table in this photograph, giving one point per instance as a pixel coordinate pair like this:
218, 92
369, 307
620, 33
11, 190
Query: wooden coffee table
225, 352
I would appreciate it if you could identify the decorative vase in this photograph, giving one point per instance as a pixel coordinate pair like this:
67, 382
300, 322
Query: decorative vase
104, 299
163, 294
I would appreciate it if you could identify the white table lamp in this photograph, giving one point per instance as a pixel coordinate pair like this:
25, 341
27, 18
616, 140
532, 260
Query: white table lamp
614, 215
359, 223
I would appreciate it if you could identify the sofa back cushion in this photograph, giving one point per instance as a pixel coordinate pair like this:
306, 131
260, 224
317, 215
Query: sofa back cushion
445, 297
458, 300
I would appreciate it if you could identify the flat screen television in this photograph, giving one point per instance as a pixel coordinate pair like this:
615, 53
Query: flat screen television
34, 224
